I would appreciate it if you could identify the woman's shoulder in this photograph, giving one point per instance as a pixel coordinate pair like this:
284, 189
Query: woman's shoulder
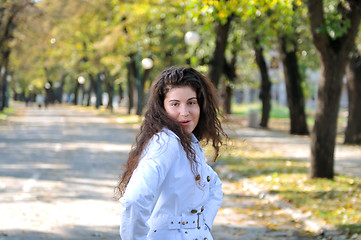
167, 134
165, 140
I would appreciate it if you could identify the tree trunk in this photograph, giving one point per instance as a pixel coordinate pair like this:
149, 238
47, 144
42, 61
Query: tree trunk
353, 74
230, 72
265, 91
60, 90
324, 131
294, 90
110, 90
216, 64
121, 93
333, 54
130, 82
109, 86
76, 91
98, 90
2, 92
227, 93
4, 64
92, 88
144, 78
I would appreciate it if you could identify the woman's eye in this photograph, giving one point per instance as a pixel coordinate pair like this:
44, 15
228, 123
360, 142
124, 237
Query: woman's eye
174, 104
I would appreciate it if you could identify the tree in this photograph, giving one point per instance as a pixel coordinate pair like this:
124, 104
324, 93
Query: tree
333, 30
353, 75
293, 79
292, 14
229, 70
146, 29
216, 65
272, 23
9, 11
265, 90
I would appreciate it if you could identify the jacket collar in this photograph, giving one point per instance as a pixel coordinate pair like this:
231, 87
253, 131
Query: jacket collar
194, 139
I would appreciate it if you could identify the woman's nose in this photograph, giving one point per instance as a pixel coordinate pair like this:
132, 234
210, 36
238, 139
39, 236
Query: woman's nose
184, 111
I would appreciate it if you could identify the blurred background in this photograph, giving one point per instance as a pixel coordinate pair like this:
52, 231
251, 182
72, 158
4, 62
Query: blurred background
94, 52
291, 65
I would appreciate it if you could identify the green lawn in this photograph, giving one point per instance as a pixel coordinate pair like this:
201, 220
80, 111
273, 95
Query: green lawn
6, 112
279, 116
337, 202
277, 111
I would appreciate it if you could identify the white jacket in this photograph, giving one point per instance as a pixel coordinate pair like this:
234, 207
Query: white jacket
163, 201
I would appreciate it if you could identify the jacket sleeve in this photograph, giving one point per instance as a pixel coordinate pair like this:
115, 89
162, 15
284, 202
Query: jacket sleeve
142, 191
215, 198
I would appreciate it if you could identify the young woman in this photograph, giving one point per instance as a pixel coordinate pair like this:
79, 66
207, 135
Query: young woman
167, 190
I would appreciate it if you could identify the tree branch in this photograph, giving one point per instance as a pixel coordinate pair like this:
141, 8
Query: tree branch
352, 11
316, 15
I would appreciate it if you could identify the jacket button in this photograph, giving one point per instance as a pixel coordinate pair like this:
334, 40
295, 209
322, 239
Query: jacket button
202, 209
198, 177
208, 178
205, 238
194, 211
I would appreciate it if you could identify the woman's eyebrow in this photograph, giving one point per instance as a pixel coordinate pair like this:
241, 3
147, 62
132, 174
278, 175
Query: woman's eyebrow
176, 100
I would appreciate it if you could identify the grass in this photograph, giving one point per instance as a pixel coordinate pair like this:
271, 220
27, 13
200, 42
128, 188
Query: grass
337, 202
281, 112
279, 117
6, 112
277, 111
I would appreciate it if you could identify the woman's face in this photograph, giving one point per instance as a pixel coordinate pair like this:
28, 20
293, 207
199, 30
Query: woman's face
181, 104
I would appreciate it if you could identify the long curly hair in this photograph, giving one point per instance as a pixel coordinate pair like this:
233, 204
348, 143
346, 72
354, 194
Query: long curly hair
156, 118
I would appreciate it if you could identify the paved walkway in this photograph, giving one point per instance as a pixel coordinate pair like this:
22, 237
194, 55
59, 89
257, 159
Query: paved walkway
59, 167
58, 171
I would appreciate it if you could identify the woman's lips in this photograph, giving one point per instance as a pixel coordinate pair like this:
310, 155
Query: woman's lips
184, 123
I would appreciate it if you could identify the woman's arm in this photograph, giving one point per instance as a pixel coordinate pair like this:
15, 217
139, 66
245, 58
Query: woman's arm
143, 189
215, 198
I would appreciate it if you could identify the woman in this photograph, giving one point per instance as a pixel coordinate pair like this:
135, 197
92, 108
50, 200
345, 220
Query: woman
168, 192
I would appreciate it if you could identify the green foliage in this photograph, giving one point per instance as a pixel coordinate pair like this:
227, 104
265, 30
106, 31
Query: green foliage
335, 25
77, 37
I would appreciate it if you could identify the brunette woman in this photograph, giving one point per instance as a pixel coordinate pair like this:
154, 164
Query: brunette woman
168, 192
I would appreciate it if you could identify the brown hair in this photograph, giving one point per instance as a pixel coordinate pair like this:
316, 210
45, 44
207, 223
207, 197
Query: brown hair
155, 118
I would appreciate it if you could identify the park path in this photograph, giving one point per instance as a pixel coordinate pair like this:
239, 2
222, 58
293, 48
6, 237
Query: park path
58, 169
